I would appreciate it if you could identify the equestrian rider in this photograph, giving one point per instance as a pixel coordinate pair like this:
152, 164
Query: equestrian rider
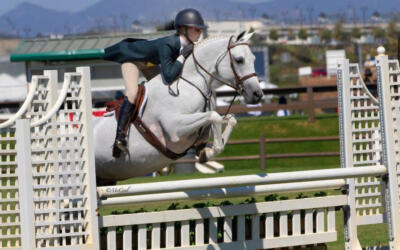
135, 54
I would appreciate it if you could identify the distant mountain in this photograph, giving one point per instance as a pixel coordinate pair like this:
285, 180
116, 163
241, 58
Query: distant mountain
32, 19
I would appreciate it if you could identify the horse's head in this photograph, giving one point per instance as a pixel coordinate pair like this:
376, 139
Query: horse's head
237, 67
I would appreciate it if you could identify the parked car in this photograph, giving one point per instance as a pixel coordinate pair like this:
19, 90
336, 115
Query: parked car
318, 72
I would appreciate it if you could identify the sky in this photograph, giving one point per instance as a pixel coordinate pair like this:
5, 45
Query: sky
68, 5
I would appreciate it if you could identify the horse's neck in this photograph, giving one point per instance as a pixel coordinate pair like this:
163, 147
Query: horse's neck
206, 55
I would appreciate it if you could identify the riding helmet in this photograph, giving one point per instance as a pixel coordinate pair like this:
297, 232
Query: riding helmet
189, 17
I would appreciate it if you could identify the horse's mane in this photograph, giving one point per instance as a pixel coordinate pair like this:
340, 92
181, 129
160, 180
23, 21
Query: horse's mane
210, 39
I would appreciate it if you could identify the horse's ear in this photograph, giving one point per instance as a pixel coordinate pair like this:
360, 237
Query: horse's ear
240, 36
247, 37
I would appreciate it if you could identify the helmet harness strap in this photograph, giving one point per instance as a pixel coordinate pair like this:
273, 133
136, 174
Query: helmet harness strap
186, 34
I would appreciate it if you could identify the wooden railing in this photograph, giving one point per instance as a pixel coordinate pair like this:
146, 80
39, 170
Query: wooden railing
262, 156
309, 105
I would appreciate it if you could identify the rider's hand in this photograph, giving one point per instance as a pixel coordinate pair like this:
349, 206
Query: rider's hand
187, 50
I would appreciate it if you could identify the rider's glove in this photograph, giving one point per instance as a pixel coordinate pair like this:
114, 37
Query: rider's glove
187, 50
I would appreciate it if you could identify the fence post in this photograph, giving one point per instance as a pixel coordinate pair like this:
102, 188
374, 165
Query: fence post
262, 152
25, 184
388, 119
310, 96
346, 152
90, 180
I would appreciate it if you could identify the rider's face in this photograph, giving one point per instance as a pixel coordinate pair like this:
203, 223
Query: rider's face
194, 33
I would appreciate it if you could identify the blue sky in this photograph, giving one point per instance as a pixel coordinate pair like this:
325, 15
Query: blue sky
66, 5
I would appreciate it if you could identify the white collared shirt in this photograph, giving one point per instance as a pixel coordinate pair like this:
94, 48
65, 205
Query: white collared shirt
183, 42
181, 59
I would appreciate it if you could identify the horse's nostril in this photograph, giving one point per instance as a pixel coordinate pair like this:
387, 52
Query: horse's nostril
257, 94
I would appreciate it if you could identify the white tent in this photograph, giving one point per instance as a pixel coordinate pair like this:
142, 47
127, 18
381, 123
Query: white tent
12, 89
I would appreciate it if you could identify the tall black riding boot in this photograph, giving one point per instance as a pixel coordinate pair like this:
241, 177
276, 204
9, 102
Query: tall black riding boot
123, 117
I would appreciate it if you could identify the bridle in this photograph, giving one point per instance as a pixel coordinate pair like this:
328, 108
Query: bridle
238, 80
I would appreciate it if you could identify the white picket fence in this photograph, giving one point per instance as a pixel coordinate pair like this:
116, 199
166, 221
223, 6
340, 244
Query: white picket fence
49, 197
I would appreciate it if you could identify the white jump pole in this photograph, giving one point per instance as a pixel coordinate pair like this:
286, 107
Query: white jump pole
224, 192
235, 181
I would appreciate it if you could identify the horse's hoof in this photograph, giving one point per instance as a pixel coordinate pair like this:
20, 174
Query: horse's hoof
201, 147
203, 156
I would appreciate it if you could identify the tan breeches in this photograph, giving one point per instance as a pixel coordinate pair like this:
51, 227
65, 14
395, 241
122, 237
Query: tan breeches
130, 73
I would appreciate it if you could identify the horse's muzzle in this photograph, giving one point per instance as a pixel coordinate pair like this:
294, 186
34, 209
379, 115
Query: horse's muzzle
257, 96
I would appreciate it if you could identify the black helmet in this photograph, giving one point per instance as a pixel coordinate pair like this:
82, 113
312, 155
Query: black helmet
190, 18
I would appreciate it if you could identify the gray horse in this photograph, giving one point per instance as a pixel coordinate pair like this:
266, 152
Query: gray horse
176, 113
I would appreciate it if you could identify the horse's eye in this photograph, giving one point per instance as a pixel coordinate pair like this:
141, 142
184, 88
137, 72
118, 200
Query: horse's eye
239, 60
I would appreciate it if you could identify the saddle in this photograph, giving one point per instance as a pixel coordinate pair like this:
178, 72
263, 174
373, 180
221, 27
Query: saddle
136, 120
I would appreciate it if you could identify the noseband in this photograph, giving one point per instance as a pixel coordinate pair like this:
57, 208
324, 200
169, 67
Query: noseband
238, 80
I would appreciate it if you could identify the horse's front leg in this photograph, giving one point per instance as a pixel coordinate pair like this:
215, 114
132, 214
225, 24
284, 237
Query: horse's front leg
220, 139
180, 127
231, 122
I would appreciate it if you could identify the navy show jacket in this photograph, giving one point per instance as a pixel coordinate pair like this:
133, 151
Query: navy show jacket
163, 51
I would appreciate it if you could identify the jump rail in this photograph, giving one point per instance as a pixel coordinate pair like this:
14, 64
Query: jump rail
224, 192
235, 181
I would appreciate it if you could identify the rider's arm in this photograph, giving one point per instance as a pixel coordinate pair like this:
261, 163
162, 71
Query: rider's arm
170, 68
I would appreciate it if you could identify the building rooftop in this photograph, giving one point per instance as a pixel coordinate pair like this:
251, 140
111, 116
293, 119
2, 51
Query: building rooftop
73, 48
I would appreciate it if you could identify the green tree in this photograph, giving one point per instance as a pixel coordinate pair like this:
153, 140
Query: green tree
325, 35
379, 33
338, 32
273, 35
356, 33
392, 31
304, 54
302, 34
